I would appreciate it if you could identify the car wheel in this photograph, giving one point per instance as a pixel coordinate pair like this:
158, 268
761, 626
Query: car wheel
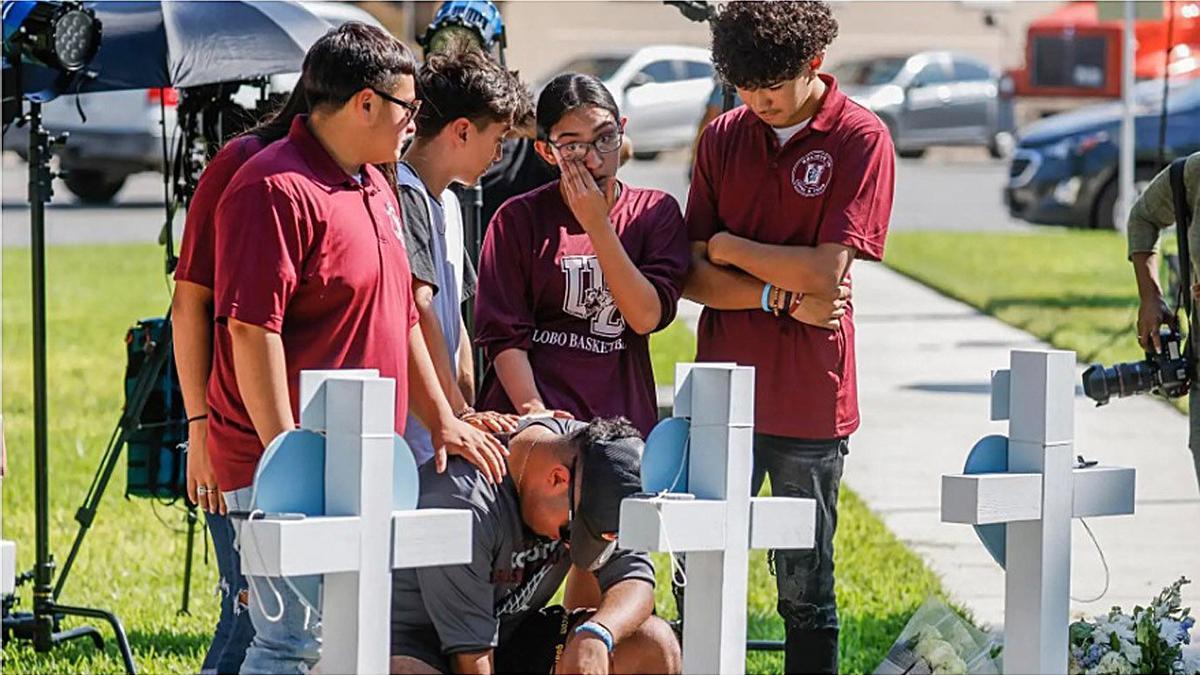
1001, 145
1104, 214
94, 187
648, 156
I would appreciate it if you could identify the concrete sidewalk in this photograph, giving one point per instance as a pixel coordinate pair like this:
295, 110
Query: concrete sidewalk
923, 367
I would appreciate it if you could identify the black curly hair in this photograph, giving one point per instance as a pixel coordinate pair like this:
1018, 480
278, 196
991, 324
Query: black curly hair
756, 43
604, 430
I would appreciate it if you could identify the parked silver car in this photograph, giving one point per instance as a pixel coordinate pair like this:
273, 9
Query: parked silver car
934, 98
659, 88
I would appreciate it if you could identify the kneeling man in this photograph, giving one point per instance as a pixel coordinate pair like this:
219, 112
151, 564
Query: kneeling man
558, 505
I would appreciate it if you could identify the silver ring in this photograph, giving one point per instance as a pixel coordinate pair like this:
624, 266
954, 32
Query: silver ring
201, 490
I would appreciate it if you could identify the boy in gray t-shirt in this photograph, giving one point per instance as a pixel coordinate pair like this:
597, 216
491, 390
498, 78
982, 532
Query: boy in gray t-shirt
469, 105
559, 505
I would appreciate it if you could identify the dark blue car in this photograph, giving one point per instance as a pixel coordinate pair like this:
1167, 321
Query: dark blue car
1064, 169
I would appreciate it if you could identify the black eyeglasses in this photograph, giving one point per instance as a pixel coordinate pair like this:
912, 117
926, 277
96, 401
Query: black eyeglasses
412, 107
576, 151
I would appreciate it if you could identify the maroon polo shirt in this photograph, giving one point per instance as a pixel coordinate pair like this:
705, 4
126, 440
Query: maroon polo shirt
542, 290
832, 182
196, 251
308, 252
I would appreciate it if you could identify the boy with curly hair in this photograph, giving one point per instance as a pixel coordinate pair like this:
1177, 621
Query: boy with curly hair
787, 191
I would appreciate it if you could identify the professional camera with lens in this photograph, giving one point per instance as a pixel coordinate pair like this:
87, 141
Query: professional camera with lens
1167, 373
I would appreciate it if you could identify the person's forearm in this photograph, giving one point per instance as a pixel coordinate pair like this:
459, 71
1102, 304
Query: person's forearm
439, 355
192, 327
802, 269
473, 662
720, 287
260, 367
466, 366
516, 376
1145, 266
425, 396
625, 607
632, 292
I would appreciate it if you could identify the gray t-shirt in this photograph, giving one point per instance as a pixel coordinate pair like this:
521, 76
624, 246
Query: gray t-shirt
513, 572
433, 238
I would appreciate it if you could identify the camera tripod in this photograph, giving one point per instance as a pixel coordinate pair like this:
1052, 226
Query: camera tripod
130, 421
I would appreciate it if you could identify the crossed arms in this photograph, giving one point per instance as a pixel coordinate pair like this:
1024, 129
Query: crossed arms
728, 273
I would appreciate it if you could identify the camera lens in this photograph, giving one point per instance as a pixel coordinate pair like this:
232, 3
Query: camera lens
1123, 379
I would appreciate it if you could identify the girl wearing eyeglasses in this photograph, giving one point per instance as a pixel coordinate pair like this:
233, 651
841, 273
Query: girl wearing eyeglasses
575, 276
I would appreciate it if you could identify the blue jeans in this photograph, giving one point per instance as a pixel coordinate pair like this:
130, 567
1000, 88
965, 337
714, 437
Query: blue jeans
807, 602
234, 630
286, 635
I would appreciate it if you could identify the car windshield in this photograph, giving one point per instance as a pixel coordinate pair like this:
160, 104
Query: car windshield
868, 73
602, 67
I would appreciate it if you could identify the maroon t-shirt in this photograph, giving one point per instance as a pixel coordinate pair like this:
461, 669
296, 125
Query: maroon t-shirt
832, 182
196, 251
306, 251
541, 289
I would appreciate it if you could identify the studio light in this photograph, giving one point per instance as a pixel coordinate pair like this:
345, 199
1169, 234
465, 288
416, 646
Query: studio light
62, 35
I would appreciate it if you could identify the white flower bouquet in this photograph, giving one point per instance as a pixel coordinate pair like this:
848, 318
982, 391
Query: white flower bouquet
1150, 640
937, 640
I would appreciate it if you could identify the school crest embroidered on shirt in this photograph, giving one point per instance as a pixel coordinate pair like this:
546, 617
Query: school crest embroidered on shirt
396, 226
811, 175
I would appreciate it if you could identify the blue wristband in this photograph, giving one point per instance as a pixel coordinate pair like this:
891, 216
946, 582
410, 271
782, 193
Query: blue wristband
597, 630
766, 293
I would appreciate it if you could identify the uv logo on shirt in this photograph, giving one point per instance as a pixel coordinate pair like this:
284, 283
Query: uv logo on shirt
588, 297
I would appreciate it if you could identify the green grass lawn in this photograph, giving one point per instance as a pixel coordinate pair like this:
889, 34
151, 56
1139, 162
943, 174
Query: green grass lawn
1072, 288
132, 561
674, 344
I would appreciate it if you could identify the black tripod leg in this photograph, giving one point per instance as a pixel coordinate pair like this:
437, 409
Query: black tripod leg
187, 562
136, 403
118, 630
80, 632
87, 512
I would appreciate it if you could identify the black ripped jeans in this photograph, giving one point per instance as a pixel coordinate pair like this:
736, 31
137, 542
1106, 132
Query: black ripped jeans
807, 602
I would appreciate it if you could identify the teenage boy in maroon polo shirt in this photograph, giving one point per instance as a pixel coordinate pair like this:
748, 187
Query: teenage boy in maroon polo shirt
311, 273
787, 191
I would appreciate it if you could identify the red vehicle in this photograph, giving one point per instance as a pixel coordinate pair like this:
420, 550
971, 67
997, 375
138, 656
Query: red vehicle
1073, 54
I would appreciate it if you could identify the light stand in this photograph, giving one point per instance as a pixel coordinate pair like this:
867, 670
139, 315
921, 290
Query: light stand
65, 37
41, 626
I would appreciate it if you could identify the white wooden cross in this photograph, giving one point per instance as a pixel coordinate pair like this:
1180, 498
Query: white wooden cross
8, 567
360, 540
1037, 498
719, 527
